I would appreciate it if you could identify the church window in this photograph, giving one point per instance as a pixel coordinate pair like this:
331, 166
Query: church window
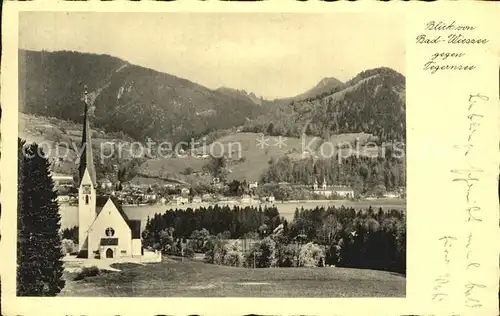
86, 199
110, 232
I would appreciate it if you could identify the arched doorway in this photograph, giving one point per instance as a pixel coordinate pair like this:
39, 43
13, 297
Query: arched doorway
109, 253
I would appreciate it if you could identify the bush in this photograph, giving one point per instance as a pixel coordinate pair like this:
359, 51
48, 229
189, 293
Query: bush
264, 253
216, 250
288, 256
188, 252
199, 240
311, 255
87, 272
234, 258
68, 246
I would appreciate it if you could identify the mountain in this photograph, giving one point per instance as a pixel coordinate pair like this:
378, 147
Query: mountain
326, 84
240, 94
139, 101
372, 102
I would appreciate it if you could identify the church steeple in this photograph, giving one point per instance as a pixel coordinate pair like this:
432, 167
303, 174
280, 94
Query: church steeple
86, 158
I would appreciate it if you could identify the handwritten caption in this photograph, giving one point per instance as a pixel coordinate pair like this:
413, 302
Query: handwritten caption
458, 36
468, 177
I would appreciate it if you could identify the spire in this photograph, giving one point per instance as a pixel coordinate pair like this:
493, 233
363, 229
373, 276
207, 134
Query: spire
86, 158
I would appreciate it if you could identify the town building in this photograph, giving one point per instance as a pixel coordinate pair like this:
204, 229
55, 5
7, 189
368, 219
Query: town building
150, 197
105, 233
207, 197
62, 180
179, 200
196, 199
106, 183
392, 195
246, 199
343, 191
330, 190
63, 198
253, 185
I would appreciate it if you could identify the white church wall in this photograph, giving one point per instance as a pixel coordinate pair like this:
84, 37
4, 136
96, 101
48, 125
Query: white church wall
136, 247
86, 211
109, 217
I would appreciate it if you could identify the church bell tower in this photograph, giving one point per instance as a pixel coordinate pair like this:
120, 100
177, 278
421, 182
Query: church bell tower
87, 183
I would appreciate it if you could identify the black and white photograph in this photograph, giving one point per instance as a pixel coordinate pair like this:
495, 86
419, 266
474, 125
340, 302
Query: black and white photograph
211, 155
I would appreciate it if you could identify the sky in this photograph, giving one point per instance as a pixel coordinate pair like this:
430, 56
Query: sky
271, 54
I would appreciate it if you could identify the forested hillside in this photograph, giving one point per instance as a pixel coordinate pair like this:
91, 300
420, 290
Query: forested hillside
371, 176
140, 102
373, 102
326, 85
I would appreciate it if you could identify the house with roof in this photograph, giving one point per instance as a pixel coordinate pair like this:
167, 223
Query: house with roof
196, 199
343, 191
106, 183
332, 190
104, 233
62, 180
63, 198
253, 185
271, 198
180, 200
245, 199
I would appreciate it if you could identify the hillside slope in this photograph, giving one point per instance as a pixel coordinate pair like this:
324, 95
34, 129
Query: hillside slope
139, 101
324, 86
373, 102
241, 94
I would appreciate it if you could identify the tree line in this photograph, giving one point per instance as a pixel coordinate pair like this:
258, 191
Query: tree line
321, 236
233, 222
359, 239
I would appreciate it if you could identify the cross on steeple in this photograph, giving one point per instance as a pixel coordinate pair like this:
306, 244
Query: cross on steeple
86, 158
85, 96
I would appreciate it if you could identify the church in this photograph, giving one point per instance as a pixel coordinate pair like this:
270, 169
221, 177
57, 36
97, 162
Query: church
104, 233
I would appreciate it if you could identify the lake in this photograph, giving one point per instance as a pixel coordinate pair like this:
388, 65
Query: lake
69, 216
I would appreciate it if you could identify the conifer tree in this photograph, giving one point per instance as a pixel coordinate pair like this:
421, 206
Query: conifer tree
40, 269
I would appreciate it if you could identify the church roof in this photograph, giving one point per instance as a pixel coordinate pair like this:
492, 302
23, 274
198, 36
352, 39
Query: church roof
86, 158
135, 225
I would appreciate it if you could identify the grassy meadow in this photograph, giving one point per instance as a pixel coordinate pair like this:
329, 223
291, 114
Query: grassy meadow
174, 278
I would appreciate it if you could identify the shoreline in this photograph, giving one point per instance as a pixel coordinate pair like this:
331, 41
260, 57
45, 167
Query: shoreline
394, 201
69, 216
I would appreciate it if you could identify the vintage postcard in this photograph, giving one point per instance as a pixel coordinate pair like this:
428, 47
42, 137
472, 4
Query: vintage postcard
225, 158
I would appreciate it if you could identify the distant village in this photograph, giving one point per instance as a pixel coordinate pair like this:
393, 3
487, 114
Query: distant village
234, 192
